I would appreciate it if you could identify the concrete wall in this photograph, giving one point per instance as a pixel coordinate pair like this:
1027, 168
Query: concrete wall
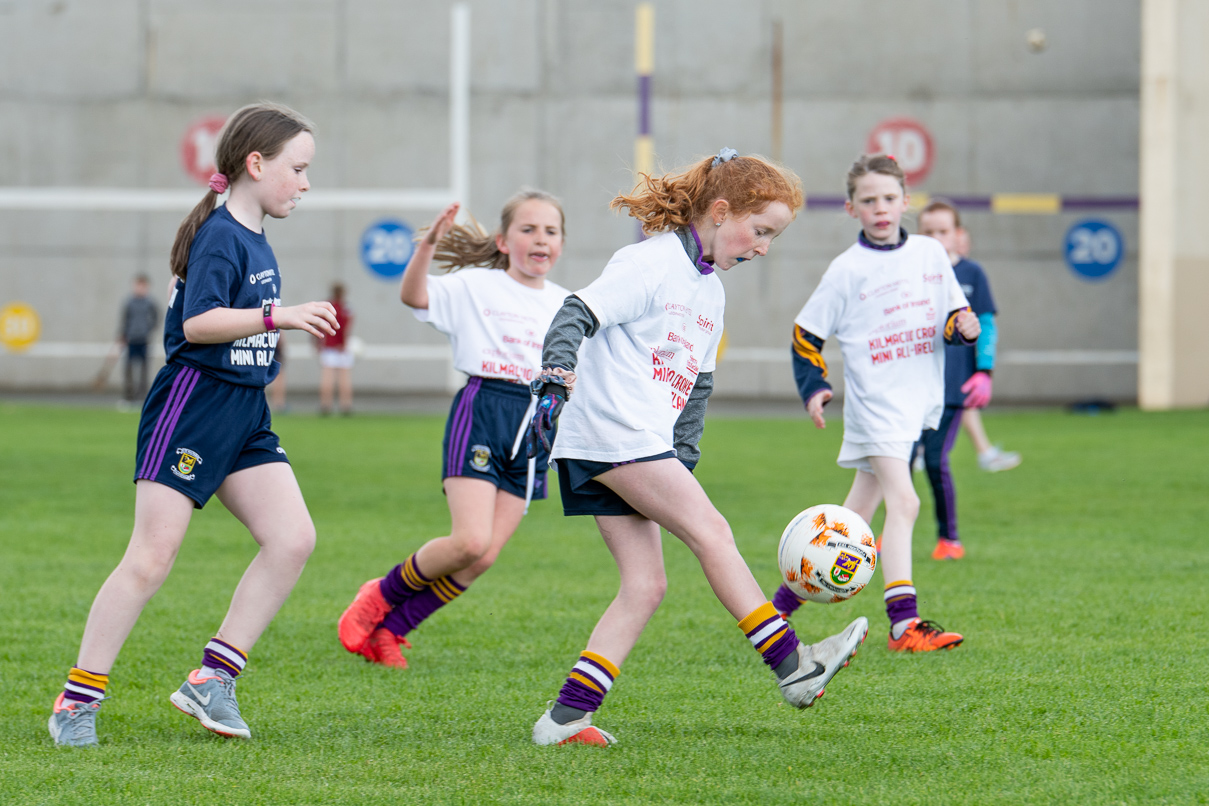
100, 93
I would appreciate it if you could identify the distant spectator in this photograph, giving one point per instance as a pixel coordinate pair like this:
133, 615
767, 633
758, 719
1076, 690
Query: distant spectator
336, 358
140, 318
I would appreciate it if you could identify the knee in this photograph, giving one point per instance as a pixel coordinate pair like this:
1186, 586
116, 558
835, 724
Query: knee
297, 546
148, 570
471, 547
906, 504
645, 592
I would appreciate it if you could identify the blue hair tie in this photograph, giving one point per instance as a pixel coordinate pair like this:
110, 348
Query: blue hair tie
725, 155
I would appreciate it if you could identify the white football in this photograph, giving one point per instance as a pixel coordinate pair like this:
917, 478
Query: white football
827, 554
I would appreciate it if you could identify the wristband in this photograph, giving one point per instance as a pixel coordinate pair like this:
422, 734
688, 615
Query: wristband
268, 318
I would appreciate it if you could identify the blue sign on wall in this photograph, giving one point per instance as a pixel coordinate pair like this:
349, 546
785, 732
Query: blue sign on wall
1094, 249
386, 248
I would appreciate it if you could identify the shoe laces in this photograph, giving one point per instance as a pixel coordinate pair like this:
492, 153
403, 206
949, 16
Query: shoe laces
929, 628
81, 718
227, 684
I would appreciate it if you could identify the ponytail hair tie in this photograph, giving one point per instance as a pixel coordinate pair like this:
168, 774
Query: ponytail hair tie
891, 158
218, 183
725, 155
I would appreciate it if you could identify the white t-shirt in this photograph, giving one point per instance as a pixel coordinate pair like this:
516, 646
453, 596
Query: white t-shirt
888, 310
660, 323
495, 324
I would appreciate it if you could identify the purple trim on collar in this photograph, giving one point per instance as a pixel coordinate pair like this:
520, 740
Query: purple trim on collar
883, 247
700, 264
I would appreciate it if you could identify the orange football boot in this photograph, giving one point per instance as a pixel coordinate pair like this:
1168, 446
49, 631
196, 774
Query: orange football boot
948, 550
363, 616
924, 636
383, 647
878, 544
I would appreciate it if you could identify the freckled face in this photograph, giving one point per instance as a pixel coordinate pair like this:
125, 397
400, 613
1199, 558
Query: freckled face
533, 242
879, 203
283, 179
741, 239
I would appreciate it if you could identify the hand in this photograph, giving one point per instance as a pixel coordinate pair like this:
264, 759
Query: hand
814, 407
567, 375
977, 390
542, 426
441, 225
316, 318
968, 325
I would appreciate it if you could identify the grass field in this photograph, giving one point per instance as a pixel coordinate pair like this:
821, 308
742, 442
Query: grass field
1082, 678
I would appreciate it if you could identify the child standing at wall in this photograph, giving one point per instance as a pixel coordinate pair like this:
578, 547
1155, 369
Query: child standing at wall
893, 302
336, 358
643, 339
205, 427
495, 316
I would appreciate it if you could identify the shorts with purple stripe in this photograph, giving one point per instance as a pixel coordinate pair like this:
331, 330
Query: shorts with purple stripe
486, 415
196, 430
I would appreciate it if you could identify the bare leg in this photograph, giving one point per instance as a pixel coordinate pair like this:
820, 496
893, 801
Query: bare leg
327, 379
902, 508
636, 548
971, 421
865, 495
161, 516
266, 499
345, 379
509, 509
472, 504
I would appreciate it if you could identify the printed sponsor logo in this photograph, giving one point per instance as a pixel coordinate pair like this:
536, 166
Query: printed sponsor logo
676, 309
846, 566
261, 276
184, 467
480, 457
675, 339
934, 278
705, 323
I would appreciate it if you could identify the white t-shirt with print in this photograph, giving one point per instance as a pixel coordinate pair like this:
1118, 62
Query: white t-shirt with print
660, 324
888, 310
495, 324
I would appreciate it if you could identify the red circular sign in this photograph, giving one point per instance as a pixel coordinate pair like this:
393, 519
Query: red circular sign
909, 142
198, 146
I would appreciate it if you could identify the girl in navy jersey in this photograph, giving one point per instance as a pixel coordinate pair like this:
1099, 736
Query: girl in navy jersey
205, 427
643, 338
495, 314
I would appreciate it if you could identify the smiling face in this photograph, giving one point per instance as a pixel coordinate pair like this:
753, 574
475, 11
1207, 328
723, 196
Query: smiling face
281, 181
737, 240
879, 202
533, 242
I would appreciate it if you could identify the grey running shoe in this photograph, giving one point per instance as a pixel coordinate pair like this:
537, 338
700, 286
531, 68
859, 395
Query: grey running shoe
581, 731
212, 700
818, 663
997, 459
74, 724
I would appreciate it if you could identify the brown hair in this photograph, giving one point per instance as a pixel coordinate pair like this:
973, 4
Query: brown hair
936, 205
263, 127
338, 292
472, 245
875, 164
748, 184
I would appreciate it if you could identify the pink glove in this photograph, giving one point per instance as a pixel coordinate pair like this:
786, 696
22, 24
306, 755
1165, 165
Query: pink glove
977, 390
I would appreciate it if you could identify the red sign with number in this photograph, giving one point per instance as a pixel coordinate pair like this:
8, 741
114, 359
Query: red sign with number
198, 147
909, 142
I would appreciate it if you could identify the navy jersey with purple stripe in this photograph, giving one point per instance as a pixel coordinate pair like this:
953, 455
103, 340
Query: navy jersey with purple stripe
229, 267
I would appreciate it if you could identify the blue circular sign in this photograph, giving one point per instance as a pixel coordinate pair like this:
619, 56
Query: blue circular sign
1094, 249
386, 248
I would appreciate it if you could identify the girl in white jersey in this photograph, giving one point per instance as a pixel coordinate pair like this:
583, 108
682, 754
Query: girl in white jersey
495, 316
892, 302
643, 339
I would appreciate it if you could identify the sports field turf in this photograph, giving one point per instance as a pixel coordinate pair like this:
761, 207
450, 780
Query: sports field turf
1082, 678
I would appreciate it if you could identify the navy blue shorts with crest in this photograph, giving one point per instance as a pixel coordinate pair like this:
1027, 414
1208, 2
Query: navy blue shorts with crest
483, 423
196, 430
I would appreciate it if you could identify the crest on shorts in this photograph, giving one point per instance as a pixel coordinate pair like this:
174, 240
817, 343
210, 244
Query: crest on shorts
480, 457
183, 469
845, 567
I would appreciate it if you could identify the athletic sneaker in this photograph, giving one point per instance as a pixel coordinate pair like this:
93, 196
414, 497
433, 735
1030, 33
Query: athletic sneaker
363, 616
74, 724
818, 663
924, 636
383, 647
995, 459
948, 550
211, 699
581, 731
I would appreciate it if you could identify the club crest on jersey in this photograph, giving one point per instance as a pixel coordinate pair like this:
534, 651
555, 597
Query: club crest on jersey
845, 567
189, 460
480, 457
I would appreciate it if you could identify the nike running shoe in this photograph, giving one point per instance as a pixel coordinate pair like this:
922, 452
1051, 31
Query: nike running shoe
948, 550
818, 663
211, 699
363, 616
924, 636
581, 731
383, 647
74, 724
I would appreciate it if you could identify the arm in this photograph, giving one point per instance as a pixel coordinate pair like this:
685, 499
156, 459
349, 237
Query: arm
219, 325
690, 425
413, 292
810, 372
573, 323
961, 327
978, 389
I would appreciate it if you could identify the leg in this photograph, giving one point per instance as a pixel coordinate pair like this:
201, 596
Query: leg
128, 377
865, 495
937, 445
978, 435
636, 548
902, 507
142, 387
327, 379
509, 509
472, 504
345, 378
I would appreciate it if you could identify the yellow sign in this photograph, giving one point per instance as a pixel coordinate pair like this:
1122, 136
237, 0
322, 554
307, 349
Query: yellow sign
19, 326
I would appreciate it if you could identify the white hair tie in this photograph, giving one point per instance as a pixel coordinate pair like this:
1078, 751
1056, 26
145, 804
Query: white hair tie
725, 155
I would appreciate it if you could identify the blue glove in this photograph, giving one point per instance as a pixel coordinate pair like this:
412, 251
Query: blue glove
544, 422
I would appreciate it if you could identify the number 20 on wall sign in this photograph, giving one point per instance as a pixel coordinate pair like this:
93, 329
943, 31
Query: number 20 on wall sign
386, 248
1094, 249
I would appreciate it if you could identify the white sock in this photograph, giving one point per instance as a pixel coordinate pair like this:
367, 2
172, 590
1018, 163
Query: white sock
899, 627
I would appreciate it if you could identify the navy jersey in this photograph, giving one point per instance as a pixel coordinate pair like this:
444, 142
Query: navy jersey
960, 360
229, 267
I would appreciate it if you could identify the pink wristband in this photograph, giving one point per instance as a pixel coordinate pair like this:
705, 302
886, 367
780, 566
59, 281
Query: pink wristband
268, 318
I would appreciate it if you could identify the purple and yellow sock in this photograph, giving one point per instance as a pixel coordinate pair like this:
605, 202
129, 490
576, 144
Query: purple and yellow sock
403, 582
589, 682
786, 601
900, 605
85, 686
221, 656
769, 634
406, 617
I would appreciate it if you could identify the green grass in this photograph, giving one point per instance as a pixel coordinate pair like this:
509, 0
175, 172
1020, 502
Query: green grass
1082, 678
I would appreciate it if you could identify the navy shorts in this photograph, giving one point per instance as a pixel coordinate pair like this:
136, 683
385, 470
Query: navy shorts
583, 495
483, 422
196, 430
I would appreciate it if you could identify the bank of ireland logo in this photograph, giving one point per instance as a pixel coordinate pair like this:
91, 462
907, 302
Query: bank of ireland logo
183, 469
480, 457
845, 567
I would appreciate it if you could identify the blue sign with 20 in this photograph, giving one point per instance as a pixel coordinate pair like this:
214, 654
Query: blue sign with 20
1094, 249
386, 248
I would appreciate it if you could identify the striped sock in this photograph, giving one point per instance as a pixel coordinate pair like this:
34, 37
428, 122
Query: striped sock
586, 686
406, 617
900, 606
769, 634
85, 686
786, 601
222, 657
403, 582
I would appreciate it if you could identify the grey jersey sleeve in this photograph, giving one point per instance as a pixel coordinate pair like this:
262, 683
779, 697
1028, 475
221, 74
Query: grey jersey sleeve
573, 323
690, 425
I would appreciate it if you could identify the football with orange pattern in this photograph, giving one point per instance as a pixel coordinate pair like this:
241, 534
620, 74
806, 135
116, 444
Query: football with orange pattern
827, 554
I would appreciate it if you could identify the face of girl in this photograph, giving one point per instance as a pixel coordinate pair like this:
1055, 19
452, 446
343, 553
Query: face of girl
740, 239
879, 202
533, 242
939, 224
283, 179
